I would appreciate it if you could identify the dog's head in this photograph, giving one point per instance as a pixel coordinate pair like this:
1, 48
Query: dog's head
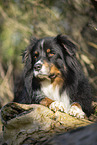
48, 58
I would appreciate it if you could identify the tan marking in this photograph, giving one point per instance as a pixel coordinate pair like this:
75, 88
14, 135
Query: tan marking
54, 70
51, 54
48, 50
58, 80
76, 104
46, 64
46, 101
36, 52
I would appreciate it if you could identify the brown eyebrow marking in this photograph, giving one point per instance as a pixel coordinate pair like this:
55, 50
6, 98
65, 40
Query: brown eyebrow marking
36, 52
48, 50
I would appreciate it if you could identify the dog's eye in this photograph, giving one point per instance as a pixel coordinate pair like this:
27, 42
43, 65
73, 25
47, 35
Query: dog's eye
51, 54
36, 54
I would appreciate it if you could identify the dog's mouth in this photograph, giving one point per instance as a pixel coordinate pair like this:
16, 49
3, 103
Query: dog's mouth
52, 76
42, 76
45, 76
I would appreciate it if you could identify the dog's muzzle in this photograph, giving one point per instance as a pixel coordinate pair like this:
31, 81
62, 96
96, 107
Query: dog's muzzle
44, 70
41, 69
37, 67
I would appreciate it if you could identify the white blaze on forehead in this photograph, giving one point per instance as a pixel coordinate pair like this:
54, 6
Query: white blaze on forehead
39, 62
42, 43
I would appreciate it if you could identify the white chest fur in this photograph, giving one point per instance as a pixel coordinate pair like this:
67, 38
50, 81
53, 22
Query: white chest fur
54, 93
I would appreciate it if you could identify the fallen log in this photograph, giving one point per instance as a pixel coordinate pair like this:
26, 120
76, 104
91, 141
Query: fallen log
35, 123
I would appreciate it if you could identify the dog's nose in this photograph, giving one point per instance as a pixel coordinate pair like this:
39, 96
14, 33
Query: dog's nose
38, 66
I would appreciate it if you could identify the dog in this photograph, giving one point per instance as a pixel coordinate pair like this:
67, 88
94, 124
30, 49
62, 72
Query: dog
53, 77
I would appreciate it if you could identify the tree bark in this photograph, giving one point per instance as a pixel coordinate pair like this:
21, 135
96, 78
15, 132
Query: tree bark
35, 123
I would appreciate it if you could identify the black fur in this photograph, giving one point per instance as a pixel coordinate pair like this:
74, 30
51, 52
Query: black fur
64, 56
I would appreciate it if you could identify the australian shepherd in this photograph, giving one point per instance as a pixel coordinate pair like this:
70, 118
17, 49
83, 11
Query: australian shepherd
53, 77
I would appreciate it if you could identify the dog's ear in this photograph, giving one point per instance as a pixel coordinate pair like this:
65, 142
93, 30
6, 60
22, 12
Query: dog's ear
26, 54
27, 73
64, 42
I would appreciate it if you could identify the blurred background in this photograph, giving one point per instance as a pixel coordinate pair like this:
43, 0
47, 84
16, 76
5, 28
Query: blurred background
22, 19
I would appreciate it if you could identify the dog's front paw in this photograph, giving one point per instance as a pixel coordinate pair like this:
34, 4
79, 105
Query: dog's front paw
57, 106
77, 112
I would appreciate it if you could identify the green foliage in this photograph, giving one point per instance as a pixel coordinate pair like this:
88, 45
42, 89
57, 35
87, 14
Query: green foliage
21, 19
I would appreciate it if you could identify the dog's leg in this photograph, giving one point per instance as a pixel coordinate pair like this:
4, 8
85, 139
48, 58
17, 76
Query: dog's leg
76, 110
58, 106
46, 101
